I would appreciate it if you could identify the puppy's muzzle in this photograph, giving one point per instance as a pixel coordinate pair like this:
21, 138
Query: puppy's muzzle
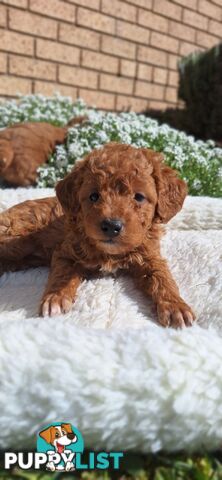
111, 227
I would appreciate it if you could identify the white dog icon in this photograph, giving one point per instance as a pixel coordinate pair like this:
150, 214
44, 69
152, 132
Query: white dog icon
59, 437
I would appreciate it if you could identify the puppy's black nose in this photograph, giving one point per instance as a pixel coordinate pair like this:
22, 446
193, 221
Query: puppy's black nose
70, 436
111, 227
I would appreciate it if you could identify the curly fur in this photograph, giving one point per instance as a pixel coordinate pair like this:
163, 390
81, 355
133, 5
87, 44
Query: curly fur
26, 146
71, 240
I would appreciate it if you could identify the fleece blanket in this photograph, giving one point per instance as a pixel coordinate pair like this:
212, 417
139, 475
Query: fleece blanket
106, 366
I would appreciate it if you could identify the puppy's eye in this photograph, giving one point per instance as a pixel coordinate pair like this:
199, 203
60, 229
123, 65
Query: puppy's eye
94, 197
139, 197
57, 435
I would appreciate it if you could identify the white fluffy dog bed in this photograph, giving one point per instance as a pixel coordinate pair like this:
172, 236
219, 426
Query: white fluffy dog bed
107, 367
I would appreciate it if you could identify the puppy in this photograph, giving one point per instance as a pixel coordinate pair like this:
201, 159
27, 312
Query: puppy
60, 437
107, 217
26, 146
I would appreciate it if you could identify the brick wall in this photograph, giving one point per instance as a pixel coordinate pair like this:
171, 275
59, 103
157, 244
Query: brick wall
113, 53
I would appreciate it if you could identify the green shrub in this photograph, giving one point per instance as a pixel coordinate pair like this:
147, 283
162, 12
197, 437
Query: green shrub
201, 89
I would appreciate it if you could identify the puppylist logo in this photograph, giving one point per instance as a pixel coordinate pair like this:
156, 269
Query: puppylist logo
60, 442
60, 447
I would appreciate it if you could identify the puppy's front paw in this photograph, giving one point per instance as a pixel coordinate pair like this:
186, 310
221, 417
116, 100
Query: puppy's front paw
69, 467
55, 304
175, 314
50, 466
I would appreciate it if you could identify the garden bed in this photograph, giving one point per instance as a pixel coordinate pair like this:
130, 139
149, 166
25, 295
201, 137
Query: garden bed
199, 163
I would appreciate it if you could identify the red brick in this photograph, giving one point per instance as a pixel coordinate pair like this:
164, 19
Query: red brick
132, 32
54, 8
142, 3
153, 56
160, 75
154, 104
118, 9
173, 78
96, 21
131, 20
32, 23
13, 86
218, 2
16, 42
116, 84
209, 9
206, 40
78, 76
49, 88
3, 62
172, 104
149, 90
16, 3
79, 36
120, 48
192, 4
164, 42
215, 28
171, 94
105, 101
168, 8
94, 4
30, 67
195, 19
173, 61
131, 103
58, 52
3, 18
145, 72
182, 31
153, 21
128, 68
187, 48
99, 61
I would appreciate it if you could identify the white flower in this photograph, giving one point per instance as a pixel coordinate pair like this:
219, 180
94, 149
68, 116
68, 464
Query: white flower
192, 158
102, 136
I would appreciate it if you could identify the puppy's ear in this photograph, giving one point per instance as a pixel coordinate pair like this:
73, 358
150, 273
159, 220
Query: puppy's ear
46, 434
171, 193
67, 427
67, 190
171, 190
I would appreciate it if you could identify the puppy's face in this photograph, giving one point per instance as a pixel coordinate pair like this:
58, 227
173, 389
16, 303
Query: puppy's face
59, 436
118, 199
119, 196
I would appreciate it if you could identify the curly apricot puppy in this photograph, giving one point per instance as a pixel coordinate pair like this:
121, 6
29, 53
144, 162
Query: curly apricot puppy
113, 203
26, 146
